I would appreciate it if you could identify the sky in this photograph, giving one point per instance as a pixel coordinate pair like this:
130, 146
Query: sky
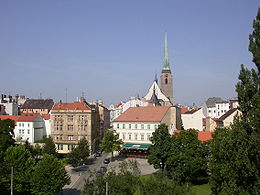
111, 50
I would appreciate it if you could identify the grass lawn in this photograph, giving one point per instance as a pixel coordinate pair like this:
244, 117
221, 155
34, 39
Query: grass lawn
203, 189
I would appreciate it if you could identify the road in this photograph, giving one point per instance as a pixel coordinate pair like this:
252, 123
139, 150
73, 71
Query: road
80, 174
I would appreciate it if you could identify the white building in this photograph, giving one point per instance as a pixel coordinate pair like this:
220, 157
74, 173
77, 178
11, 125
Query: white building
215, 107
134, 102
136, 125
29, 127
193, 119
47, 125
115, 111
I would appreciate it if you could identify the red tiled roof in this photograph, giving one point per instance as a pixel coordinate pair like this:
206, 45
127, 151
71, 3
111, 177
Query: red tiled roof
46, 116
143, 114
27, 117
12, 117
184, 110
70, 106
202, 135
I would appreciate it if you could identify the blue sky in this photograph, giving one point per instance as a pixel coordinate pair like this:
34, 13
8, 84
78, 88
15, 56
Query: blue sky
111, 50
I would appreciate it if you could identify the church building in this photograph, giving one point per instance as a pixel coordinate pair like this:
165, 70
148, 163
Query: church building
163, 95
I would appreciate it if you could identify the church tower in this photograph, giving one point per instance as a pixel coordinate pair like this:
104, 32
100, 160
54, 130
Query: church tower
166, 76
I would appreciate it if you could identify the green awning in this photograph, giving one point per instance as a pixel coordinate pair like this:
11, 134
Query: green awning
136, 146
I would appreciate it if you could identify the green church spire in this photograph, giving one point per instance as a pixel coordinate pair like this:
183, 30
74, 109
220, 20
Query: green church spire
166, 63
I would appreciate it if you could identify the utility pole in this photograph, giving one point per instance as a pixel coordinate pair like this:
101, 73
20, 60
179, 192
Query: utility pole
12, 173
106, 188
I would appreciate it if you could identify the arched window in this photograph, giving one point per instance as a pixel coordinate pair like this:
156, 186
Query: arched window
166, 81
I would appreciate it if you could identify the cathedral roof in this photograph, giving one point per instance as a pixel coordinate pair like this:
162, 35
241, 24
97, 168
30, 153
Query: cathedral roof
155, 89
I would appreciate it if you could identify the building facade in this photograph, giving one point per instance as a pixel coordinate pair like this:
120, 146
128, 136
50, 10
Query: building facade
137, 124
37, 106
193, 119
70, 122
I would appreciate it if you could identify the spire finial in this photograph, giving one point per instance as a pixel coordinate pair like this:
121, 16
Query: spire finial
155, 78
166, 64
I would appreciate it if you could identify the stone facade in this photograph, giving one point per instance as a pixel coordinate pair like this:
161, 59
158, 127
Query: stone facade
70, 122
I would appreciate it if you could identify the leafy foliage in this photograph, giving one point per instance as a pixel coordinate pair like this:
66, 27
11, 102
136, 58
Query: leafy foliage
49, 176
111, 141
161, 144
127, 181
235, 157
79, 154
49, 147
188, 158
123, 181
6, 135
22, 162
235, 161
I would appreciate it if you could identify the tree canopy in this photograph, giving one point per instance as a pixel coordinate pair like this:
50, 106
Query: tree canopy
49, 147
20, 159
111, 141
188, 158
79, 154
161, 144
49, 176
235, 157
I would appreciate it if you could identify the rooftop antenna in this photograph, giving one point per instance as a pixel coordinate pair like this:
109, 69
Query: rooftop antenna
40, 95
66, 95
83, 94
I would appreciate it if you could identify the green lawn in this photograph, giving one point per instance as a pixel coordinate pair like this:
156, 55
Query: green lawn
201, 189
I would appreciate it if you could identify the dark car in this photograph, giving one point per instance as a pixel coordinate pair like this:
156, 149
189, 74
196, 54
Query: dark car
98, 154
106, 161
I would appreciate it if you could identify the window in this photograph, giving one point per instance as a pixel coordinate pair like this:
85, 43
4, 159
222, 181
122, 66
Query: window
142, 137
20, 131
129, 136
135, 126
142, 126
209, 111
70, 137
57, 117
136, 136
70, 117
82, 118
166, 81
123, 126
129, 126
19, 124
117, 126
148, 126
148, 136
22, 124
28, 131
60, 146
23, 131
28, 124
124, 136
70, 127
70, 147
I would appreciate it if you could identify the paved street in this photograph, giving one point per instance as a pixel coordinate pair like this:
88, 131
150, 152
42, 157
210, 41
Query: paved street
80, 174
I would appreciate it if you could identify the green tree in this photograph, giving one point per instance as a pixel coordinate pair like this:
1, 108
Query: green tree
159, 150
234, 161
79, 154
123, 181
22, 162
235, 156
49, 176
49, 147
111, 142
248, 88
188, 158
6, 140
6, 135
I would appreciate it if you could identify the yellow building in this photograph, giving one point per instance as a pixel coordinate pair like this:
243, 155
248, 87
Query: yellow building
70, 122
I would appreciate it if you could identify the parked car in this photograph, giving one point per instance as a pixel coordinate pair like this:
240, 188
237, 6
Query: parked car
106, 161
98, 154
